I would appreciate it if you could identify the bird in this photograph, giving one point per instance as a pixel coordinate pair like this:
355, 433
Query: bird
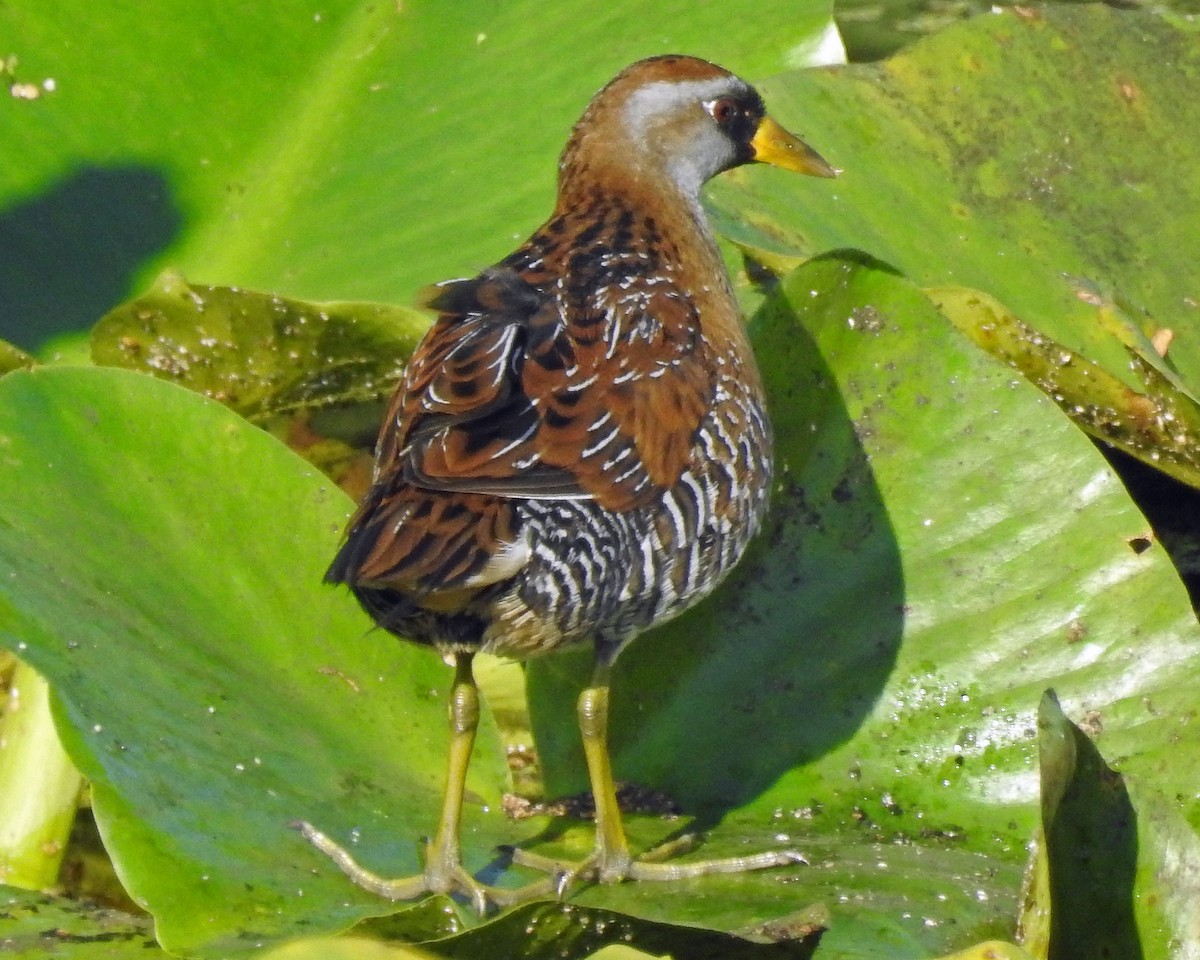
579, 447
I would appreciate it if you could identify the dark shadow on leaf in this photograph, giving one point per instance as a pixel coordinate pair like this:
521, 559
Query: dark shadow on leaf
1090, 829
786, 659
70, 254
1171, 506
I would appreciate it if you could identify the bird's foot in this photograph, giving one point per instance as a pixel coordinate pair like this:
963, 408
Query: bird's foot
444, 873
606, 866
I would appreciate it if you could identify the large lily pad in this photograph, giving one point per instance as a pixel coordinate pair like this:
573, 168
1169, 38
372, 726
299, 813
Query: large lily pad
1040, 163
162, 563
943, 544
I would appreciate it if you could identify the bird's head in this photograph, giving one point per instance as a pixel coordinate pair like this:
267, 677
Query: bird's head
682, 120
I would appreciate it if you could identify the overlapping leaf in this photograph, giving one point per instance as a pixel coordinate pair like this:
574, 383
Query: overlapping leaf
1034, 156
262, 355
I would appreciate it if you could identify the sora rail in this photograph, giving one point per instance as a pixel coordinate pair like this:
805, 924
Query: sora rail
579, 447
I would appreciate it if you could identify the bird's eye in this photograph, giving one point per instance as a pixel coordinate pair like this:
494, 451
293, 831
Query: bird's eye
724, 110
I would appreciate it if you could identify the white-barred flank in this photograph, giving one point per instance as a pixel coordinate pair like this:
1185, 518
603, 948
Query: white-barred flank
606, 576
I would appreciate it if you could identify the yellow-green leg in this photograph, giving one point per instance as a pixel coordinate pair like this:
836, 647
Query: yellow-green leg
444, 872
610, 860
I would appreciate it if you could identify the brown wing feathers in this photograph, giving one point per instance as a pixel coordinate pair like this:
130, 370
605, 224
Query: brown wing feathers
590, 387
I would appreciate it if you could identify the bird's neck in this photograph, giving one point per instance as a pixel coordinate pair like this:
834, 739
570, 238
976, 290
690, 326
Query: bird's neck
685, 247
626, 184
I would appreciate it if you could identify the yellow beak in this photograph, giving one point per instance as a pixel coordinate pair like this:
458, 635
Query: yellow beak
774, 145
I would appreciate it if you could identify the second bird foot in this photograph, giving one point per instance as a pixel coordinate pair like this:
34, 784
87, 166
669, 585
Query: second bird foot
603, 866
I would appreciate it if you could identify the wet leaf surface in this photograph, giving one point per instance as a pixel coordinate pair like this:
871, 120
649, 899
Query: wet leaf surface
1159, 423
264, 356
542, 931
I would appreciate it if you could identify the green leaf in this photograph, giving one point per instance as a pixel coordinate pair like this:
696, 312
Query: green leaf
1168, 878
942, 544
1160, 423
985, 157
1117, 865
992, 950
1090, 836
360, 151
262, 355
544, 931
39, 788
346, 948
206, 681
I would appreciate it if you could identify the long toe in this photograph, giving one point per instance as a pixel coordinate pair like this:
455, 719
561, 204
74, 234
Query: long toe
443, 874
652, 866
